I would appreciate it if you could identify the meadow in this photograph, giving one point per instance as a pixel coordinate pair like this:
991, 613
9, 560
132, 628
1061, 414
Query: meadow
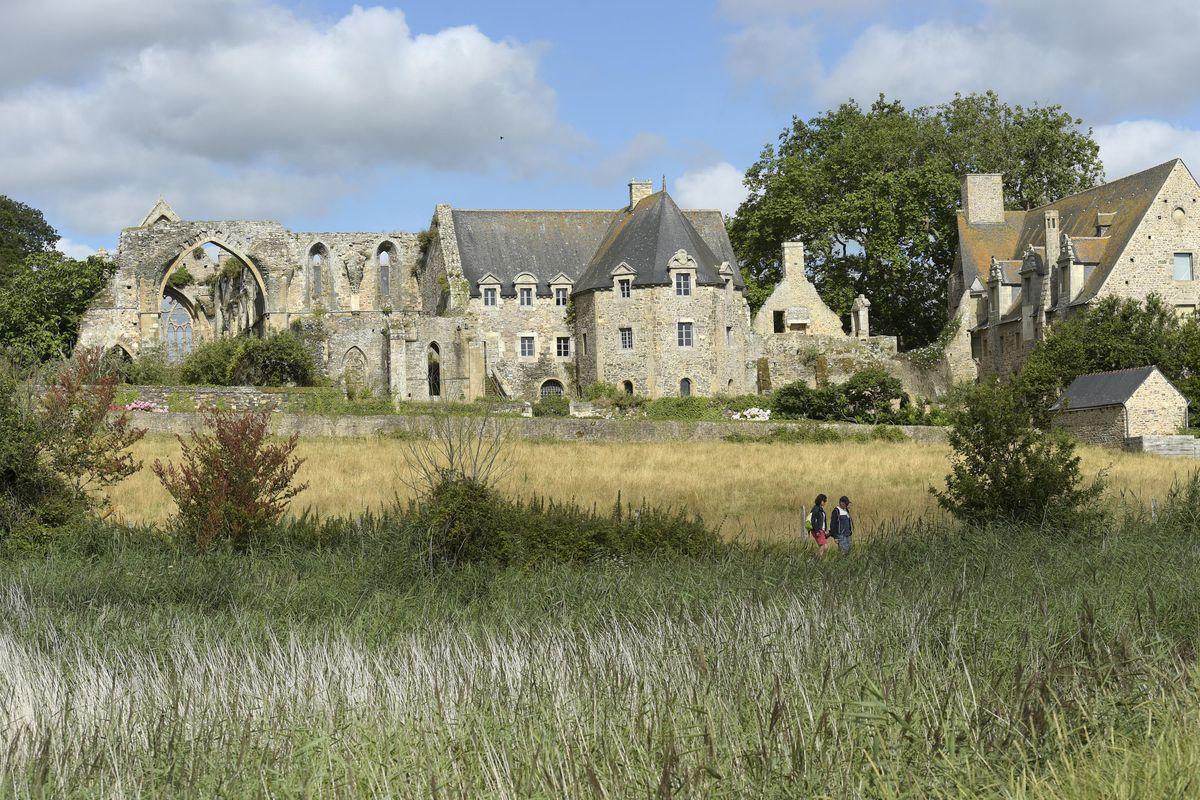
752, 491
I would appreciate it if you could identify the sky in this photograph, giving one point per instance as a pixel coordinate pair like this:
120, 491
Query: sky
327, 115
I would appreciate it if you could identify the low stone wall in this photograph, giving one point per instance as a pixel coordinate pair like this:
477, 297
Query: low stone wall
532, 428
1174, 446
236, 398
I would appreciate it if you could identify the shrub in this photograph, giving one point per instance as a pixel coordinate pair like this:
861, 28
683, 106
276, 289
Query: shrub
798, 401
231, 484
1003, 468
180, 278
150, 368
870, 393
552, 406
792, 401
279, 360
208, 364
26, 482
599, 392
683, 408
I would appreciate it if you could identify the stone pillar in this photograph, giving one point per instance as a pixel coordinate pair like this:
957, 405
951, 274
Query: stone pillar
793, 260
983, 199
476, 373
859, 317
397, 363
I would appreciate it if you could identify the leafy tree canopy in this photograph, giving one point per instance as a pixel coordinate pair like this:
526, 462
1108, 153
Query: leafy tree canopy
42, 301
23, 232
873, 193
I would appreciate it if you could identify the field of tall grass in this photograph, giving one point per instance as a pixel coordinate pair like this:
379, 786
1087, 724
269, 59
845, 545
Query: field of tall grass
754, 491
997, 663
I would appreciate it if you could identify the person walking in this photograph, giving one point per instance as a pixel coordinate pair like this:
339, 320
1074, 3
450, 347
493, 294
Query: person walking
818, 523
842, 526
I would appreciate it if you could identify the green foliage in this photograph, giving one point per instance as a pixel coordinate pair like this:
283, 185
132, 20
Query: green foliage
231, 485
605, 395
873, 194
931, 355
683, 408
181, 278
278, 360
870, 393
1114, 333
150, 367
24, 232
552, 406
42, 300
1003, 468
819, 434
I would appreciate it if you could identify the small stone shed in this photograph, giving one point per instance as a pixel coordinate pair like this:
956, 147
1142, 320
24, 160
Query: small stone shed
1110, 407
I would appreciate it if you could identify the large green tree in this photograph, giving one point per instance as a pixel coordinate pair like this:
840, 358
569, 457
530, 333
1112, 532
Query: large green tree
23, 232
873, 193
42, 300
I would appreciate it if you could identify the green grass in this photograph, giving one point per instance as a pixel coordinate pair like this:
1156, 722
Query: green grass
329, 662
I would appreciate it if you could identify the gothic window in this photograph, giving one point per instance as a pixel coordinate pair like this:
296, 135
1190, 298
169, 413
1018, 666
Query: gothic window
385, 274
433, 373
551, 388
316, 263
177, 328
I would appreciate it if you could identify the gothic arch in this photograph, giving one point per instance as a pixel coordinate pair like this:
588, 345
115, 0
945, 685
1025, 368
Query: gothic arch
217, 241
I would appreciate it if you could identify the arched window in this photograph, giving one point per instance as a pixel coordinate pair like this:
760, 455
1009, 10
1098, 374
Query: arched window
434, 369
176, 323
628, 387
685, 387
385, 275
552, 388
316, 264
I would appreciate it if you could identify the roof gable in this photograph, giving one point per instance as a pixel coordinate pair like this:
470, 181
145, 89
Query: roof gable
1101, 389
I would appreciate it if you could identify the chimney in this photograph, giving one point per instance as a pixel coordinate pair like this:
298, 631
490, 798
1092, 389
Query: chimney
983, 199
793, 260
638, 191
1053, 241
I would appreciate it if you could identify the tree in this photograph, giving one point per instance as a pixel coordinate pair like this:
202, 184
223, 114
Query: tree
873, 194
42, 301
23, 232
1005, 469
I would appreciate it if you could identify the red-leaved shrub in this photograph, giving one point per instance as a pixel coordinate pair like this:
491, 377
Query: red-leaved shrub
231, 483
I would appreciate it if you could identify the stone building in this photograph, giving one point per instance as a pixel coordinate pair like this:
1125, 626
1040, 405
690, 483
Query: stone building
1017, 272
514, 303
1110, 408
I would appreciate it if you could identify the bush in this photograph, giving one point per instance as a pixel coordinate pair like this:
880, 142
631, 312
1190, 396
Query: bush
798, 401
208, 364
1005, 469
683, 408
280, 360
605, 395
870, 393
552, 406
180, 278
150, 368
231, 485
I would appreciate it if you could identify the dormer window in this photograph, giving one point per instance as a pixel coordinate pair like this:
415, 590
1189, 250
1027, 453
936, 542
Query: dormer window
625, 285
683, 284
561, 295
526, 295
489, 296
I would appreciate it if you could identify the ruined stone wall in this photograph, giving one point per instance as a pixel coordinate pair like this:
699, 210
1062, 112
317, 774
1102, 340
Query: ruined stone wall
1102, 426
812, 360
719, 360
1172, 225
795, 291
1156, 408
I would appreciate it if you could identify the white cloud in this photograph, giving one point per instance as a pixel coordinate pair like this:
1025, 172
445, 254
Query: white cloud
717, 186
780, 55
76, 250
271, 114
1135, 145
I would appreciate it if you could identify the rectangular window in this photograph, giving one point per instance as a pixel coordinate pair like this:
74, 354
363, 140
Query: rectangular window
778, 320
624, 285
683, 334
683, 284
526, 347
560, 295
1185, 312
585, 344
626, 338
1183, 267
563, 346
489, 296
526, 295
728, 335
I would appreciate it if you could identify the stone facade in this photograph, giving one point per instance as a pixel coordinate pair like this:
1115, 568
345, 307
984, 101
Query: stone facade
1110, 408
1018, 272
509, 303
1103, 426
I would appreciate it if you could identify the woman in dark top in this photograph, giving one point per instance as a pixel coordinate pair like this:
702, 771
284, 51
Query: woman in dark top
819, 523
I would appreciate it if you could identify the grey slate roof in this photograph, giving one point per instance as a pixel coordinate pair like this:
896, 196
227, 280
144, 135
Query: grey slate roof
1103, 389
545, 243
645, 238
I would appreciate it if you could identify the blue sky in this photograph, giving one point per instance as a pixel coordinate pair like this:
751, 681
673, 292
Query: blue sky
328, 115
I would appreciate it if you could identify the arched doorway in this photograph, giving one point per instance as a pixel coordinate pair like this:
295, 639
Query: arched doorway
176, 324
551, 388
685, 387
628, 387
434, 369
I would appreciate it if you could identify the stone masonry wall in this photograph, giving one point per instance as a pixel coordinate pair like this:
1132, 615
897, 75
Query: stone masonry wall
1103, 426
502, 326
1156, 408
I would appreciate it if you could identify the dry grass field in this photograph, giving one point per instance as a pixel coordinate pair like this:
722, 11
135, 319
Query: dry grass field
752, 490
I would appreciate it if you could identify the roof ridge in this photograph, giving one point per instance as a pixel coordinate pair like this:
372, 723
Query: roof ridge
1117, 371
1107, 184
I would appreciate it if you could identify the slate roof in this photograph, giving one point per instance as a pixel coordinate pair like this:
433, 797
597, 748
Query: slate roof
1103, 389
506, 243
645, 238
1122, 204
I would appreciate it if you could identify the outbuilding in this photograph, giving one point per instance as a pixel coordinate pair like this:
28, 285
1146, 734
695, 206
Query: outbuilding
1108, 408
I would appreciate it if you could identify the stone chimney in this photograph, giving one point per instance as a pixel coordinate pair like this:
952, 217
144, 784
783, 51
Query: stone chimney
638, 191
983, 199
793, 260
1053, 242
